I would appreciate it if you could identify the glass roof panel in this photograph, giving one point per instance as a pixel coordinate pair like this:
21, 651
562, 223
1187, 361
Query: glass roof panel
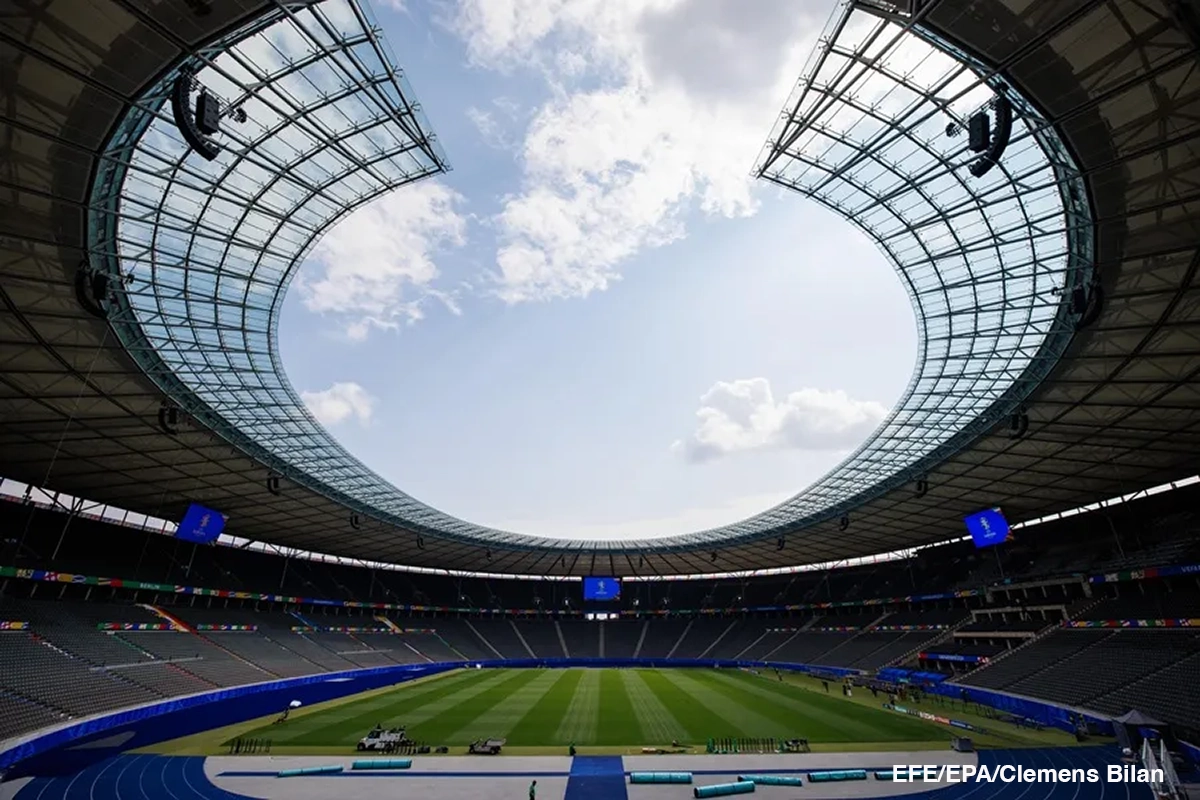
205, 249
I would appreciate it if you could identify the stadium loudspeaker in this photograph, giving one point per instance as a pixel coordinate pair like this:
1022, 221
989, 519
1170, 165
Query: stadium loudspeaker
1018, 425
1000, 136
922, 487
354, 522
1093, 304
208, 113
979, 130
780, 543
844, 523
420, 542
100, 288
89, 302
1079, 300
168, 418
1003, 130
273, 484
185, 122
713, 558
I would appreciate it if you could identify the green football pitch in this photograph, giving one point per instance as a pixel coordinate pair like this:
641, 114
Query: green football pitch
602, 709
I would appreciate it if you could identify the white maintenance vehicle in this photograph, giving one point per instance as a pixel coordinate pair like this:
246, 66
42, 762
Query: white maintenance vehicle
379, 739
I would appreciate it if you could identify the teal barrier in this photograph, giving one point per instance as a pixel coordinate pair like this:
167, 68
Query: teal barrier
660, 777
383, 763
773, 780
913, 777
722, 789
332, 769
838, 775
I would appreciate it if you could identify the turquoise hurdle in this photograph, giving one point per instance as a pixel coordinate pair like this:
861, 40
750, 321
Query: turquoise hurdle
838, 775
773, 780
332, 769
660, 777
722, 789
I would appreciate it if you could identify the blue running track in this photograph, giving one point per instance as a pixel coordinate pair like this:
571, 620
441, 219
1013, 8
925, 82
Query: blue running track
1044, 758
145, 777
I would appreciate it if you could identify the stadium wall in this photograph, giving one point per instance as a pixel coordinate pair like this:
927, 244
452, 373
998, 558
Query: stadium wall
1045, 713
69, 748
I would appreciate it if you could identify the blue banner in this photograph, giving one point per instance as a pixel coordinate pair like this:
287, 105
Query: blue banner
953, 657
200, 525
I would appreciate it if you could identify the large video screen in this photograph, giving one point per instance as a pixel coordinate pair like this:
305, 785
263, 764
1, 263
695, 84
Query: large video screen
988, 528
601, 588
201, 525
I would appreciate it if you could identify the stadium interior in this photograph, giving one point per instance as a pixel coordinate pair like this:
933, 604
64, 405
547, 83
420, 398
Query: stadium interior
1029, 620
202, 591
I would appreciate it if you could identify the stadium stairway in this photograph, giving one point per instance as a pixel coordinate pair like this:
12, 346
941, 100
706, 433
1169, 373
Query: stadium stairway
483, 639
927, 644
637, 651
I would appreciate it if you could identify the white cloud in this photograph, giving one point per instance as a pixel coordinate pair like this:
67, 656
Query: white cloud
636, 133
495, 124
486, 124
340, 402
376, 267
689, 520
744, 415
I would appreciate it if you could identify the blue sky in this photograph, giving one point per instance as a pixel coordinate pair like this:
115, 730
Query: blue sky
597, 325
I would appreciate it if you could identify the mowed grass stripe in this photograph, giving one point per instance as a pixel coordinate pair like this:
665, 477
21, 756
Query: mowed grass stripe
503, 716
450, 720
316, 727
607, 707
582, 720
618, 722
742, 716
830, 719
400, 709
544, 717
693, 712
657, 723
820, 711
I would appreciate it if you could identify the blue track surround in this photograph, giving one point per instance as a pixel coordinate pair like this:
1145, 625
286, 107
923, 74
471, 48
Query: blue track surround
596, 778
149, 777
70, 748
